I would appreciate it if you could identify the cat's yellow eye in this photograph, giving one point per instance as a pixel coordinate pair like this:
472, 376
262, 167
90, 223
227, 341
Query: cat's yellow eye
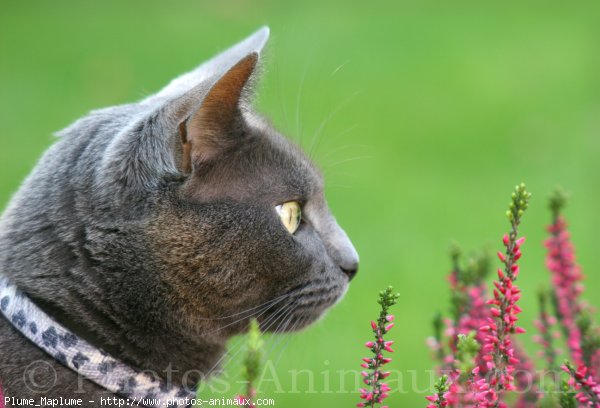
290, 215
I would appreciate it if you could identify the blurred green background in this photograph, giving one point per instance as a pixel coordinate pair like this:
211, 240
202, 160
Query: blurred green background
426, 115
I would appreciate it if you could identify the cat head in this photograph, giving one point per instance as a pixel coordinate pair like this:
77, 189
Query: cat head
221, 218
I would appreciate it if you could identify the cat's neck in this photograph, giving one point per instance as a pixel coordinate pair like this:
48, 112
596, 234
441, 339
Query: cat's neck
75, 290
165, 352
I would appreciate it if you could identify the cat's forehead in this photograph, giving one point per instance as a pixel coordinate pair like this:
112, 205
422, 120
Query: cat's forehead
283, 154
265, 167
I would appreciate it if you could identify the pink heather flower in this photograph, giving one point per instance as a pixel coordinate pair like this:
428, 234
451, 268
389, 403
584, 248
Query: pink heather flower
498, 351
526, 380
469, 314
478, 315
589, 389
567, 284
1, 397
376, 390
545, 339
443, 395
469, 306
566, 280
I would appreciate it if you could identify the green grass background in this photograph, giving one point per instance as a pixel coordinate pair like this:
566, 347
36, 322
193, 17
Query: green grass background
434, 111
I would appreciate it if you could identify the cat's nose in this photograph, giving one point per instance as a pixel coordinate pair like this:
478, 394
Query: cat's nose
350, 270
338, 245
343, 253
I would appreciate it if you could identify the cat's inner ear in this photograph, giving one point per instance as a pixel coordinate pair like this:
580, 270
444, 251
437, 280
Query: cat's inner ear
215, 126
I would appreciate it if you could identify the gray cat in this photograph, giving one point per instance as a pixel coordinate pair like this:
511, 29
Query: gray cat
152, 232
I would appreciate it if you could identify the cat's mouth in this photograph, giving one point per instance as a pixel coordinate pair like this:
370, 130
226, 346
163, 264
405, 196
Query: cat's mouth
302, 307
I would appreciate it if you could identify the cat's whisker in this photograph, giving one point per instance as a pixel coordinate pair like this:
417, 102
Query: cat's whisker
245, 317
269, 323
285, 338
281, 100
259, 313
267, 303
283, 313
343, 147
314, 144
337, 172
231, 355
298, 100
283, 321
338, 69
336, 137
265, 309
339, 149
288, 339
280, 330
347, 160
272, 321
266, 325
274, 344
227, 354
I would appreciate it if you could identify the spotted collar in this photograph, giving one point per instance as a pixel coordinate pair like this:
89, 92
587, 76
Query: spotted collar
138, 388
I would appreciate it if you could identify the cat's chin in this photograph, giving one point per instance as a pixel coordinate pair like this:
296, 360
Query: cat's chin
303, 312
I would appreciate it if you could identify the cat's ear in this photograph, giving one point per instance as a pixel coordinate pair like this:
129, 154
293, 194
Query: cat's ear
214, 126
204, 104
214, 67
190, 121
